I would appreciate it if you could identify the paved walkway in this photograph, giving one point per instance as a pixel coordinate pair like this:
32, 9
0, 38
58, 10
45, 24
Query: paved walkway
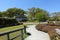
36, 35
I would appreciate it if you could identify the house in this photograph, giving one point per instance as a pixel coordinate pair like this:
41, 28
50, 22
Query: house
21, 18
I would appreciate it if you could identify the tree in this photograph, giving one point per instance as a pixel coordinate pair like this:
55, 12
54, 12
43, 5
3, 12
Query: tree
56, 16
37, 13
15, 12
32, 12
42, 16
0, 14
4, 14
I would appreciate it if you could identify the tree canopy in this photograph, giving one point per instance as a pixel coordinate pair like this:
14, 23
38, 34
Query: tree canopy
38, 14
15, 12
33, 13
55, 16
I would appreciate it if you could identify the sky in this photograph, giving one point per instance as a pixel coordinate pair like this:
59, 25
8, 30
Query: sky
48, 5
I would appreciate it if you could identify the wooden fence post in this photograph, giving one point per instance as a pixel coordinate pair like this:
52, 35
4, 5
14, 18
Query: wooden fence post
24, 29
8, 38
22, 34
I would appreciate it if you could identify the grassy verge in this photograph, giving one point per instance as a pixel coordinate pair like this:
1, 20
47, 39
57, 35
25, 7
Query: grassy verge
10, 28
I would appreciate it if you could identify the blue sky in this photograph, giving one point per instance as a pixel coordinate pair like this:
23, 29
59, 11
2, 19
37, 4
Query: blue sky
48, 5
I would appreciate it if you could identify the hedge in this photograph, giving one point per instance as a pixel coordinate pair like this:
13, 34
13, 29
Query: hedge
5, 22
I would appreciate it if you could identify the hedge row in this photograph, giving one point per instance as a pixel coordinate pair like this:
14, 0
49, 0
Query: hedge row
5, 22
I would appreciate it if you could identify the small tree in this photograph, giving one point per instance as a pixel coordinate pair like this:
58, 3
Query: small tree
42, 16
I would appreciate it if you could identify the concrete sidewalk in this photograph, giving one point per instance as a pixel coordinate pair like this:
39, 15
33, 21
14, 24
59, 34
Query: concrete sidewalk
36, 35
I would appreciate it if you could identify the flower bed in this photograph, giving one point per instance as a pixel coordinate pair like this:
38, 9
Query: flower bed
49, 28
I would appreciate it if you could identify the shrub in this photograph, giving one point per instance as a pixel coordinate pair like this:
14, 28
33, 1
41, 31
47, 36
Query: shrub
7, 22
20, 23
51, 23
57, 22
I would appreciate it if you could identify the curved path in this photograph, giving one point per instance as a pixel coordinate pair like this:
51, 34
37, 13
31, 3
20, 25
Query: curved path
36, 35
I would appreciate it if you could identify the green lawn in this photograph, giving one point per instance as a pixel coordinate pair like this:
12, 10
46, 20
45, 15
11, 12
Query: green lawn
10, 28
12, 34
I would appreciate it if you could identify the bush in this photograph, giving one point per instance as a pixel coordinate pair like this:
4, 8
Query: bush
21, 23
7, 22
57, 22
51, 23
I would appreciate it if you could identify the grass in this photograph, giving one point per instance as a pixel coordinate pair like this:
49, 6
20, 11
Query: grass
4, 37
10, 28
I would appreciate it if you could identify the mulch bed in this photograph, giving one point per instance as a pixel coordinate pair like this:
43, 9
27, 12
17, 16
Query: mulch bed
49, 28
